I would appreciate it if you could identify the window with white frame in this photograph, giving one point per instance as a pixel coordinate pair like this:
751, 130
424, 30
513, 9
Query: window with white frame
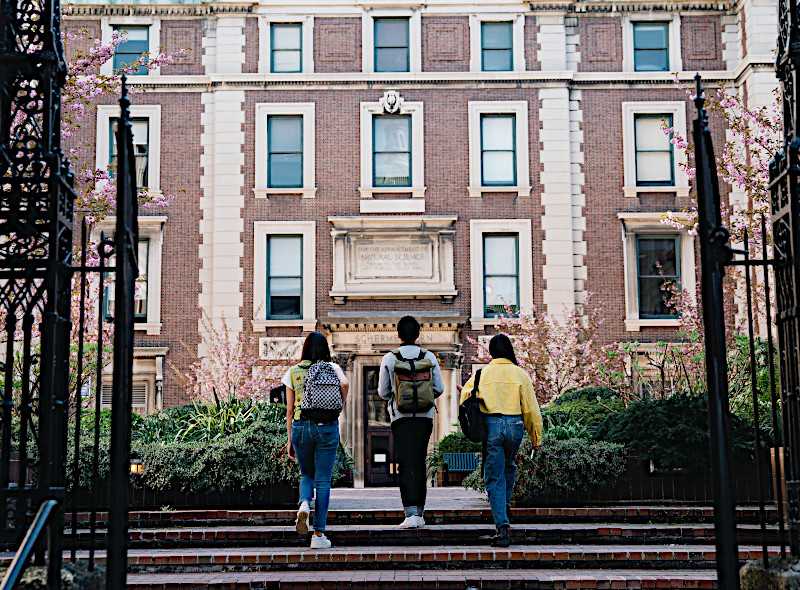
498, 148
147, 296
658, 260
391, 41
501, 269
142, 398
392, 147
285, 140
284, 270
497, 42
286, 44
651, 162
146, 127
142, 36
651, 43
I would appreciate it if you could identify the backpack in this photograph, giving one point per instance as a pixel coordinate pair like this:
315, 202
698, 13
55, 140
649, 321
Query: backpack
413, 383
470, 417
322, 394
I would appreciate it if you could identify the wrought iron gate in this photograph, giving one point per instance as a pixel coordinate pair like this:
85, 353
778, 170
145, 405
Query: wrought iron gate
41, 387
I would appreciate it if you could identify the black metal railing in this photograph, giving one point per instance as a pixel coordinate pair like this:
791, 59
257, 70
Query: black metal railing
33, 537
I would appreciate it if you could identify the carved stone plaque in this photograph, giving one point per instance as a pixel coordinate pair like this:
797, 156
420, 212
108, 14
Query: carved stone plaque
280, 348
393, 257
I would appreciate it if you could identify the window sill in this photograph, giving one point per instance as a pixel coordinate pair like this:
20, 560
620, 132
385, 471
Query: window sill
305, 192
481, 323
416, 192
477, 191
635, 325
632, 192
151, 328
305, 324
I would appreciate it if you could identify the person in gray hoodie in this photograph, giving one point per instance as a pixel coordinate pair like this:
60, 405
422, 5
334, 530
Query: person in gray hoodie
412, 431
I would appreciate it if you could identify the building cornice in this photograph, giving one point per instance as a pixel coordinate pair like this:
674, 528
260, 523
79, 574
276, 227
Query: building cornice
618, 6
165, 10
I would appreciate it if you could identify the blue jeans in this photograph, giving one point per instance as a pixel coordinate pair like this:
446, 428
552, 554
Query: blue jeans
503, 438
315, 448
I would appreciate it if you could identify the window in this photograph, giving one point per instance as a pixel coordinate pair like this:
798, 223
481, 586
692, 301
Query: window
391, 144
657, 267
285, 163
498, 150
651, 162
497, 46
655, 160
500, 274
651, 46
285, 151
284, 277
140, 294
128, 52
286, 45
391, 38
140, 128
139, 395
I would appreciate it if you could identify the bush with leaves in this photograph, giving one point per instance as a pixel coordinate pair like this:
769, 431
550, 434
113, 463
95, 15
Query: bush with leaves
588, 406
562, 468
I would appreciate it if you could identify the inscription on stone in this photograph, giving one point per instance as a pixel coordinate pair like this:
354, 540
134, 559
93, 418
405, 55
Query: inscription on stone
393, 259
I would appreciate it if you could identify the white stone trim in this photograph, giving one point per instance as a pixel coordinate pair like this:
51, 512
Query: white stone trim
414, 35
417, 188
262, 229
478, 227
633, 224
151, 112
731, 41
475, 47
230, 44
678, 111
265, 41
674, 20
518, 108
307, 110
552, 39
385, 206
107, 24
578, 202
151, 227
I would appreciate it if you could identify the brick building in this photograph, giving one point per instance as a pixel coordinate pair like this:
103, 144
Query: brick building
338, 163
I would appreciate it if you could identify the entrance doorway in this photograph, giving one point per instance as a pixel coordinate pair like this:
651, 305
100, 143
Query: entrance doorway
380, 469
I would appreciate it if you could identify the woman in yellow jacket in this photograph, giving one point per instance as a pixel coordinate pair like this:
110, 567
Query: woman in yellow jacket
510, 408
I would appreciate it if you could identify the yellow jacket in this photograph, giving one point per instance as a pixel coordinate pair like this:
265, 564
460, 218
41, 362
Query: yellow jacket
507, 389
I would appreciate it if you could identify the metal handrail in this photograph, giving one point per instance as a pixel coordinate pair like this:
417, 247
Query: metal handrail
20, 562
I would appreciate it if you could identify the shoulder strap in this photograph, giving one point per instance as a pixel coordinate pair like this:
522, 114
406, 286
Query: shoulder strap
477, 382
422, 354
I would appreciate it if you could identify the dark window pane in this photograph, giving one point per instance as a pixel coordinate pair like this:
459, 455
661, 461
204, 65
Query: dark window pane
657, 257
284, 276
284, 307
658, 266
653, 298
497, 35
391, 32
391, 60
137, 42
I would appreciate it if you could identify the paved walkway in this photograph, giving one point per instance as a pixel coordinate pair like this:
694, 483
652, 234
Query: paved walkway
453, 498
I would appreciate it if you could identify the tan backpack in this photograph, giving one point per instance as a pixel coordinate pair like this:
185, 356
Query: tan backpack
413, 383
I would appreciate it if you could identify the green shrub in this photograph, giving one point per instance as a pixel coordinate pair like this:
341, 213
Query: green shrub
672, 432
589, 406
562, 469
565, 426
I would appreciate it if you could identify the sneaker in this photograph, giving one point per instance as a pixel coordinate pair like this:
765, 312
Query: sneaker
301, 524
420, 522
410, 522
320, 542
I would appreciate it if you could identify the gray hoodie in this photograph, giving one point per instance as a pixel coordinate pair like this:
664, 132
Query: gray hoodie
386, 380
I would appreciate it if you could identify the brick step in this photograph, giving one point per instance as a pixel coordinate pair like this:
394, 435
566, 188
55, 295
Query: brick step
402, 557
629, 514
452, 535
530, 579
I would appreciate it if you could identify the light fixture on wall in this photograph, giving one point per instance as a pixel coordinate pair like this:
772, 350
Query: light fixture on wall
137, 467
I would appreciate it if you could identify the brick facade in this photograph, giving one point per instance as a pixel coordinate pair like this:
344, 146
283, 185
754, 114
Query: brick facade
573, 85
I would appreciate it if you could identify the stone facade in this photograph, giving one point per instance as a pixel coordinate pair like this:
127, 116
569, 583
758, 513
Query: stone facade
377, 255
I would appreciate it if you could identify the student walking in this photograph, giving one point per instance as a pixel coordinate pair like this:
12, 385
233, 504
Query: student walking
505, 393
316, 390
410, 381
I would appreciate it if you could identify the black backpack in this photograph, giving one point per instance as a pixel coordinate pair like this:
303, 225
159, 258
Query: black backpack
470, 416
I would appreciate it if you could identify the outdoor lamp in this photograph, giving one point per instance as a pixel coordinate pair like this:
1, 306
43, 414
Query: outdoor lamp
137, 467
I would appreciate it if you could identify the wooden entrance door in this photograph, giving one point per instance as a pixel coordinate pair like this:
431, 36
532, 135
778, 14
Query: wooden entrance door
380, 469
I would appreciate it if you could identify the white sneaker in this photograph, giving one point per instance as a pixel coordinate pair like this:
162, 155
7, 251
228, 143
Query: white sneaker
411, 522
420, 522
301, 524
320, 542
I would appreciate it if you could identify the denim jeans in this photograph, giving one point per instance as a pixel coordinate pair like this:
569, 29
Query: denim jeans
503, 438
315, 447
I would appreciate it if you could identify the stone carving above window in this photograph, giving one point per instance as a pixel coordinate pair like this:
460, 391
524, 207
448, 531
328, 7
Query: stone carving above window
401, 257
280, 348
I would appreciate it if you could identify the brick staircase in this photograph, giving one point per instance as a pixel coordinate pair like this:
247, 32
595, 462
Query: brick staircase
610, 547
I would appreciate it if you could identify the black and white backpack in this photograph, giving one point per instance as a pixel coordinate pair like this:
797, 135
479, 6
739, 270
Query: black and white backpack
322, 394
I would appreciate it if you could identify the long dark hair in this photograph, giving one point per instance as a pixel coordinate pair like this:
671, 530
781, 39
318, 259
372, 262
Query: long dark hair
316, 348
500, 347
